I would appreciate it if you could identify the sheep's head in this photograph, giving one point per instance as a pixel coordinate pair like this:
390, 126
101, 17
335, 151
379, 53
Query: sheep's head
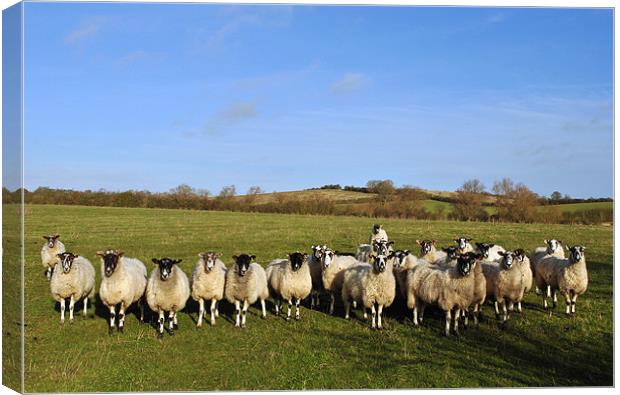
462, 242
379, 262
166, 266
451, 253
553, 245
209, 259
520, 254
376, 228
66, 260
318, 250
110, 260
328, 257
399, 257
466, 263
483, 248
51, 240
297, 259
577, 253
242, 263
425, 246
381, 247
508, 258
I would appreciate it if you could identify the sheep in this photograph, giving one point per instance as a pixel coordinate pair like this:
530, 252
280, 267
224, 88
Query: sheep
450, 259
464, 245
167, 291
490, 252
75, 280
315, 265
524, 265
402, 261
208, 280
504, 282
377, 233
428, 252
363, 252
480, 288
49, 253
381, 247
246, 283
569, 276
552, 247
450, 289
123, 281
289, 279
371, 286
333, 273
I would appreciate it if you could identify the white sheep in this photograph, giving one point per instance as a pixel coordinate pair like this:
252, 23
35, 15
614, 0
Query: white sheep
552, 247
402, 261
167, 291
504, 282
315, 265
123, 281
289, 279
371, 285
75, 279
377, 233
246, 282
463, 245
208, 280
524, 264
490, 252
49, 253
429, 252
333, 273
450, 289
569, 276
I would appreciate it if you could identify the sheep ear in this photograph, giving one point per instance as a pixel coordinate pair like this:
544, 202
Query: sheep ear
478, 244
502, 253
491, 245
177, 261
406, 252
418, 242
56, 236
120, 254
390, 242
546, 241
201, 255
44, 237
235, 257
155, 261
218, 254
559, 241
433, 242
59, 255
100, 253
253, 256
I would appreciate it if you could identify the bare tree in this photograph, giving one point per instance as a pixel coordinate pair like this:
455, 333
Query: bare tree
228, 191
473, 186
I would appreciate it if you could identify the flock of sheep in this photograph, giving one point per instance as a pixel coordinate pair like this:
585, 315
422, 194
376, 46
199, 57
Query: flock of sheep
457, 280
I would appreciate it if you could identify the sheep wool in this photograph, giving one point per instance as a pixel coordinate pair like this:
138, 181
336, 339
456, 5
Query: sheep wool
289, 279
167, 291
74, 279
207, 284
246, 283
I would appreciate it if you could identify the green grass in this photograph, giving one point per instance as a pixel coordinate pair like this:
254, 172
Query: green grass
320, 351
575, 207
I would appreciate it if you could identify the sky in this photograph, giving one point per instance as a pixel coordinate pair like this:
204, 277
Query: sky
150, 96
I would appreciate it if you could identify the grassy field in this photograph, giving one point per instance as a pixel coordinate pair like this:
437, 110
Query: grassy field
320, 351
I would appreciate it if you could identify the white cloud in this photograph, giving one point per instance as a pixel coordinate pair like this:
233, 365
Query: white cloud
84, 31
133, 57
233, 114
350, 82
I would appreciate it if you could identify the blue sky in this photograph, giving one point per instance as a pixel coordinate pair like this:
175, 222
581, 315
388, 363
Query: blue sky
149, 96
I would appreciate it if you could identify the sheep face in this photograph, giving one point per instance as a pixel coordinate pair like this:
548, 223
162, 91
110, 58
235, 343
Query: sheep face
110, 260
51, 240
379, 262
66, 260
483, 248
242, 263
577, 253
297, 259
461, 242
382, 247
465, 263
400, 256
451, 253
327, 258
209, 259
376, 228
166, 266
425, 246
318, 251
553, 245
520, 254
508, 258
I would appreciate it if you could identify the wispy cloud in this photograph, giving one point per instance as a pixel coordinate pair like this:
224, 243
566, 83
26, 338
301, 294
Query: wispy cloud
83, 31
496, 18
350, 82
278, 77
228, 116
133, 57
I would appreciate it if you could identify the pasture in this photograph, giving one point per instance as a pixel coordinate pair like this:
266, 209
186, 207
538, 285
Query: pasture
320, 351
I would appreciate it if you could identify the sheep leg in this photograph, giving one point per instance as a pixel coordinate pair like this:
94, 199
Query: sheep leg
365, 311
85, 307
277, 303
297, 312
48, 273
141, 302
263, 309
213, 310
331, 303
312, 299
465, 313
415, 316
174, 321
379, 311
71, 307
171, 323
290, 305
555, 297
347, 309
373, 312
496, 308
448, 321
62, 310
238, 311
244, 313
421, 313
511, 306
457, 315
121, 318
568, 299
504, 311
161, 324
217, 309
112, 319
573, 303
519, 309
354, 304
201, 312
